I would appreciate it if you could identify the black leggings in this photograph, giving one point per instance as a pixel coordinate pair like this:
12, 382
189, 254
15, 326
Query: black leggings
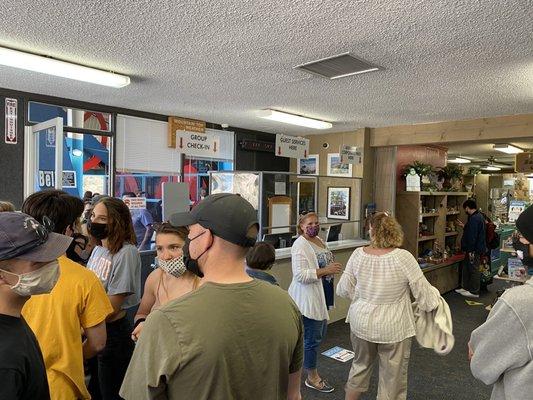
113, 361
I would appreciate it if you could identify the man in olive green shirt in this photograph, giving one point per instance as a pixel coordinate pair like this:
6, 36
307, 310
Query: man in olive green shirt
234, 337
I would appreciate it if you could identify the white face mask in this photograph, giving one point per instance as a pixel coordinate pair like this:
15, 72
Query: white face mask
40, 281
175, 267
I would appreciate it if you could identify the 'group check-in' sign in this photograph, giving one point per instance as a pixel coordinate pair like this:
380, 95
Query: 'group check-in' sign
291, 146
197, 144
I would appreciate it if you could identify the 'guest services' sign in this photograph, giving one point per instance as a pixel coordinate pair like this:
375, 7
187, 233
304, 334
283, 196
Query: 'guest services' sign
291, 146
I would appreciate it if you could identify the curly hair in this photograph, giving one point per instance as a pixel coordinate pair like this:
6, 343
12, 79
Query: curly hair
6, 206
119, 224
386, 231
301, 220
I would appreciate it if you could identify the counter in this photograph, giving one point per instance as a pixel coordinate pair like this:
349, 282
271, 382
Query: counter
342, 250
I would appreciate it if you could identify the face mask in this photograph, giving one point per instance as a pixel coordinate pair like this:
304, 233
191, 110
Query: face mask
41, 281
175, 267
312, 231
80, 241
98, 231
190, 263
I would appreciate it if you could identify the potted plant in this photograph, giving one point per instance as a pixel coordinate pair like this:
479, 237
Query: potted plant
451, 174
422, 170
473, 171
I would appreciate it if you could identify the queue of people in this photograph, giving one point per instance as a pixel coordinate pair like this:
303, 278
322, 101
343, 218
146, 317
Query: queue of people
213, 323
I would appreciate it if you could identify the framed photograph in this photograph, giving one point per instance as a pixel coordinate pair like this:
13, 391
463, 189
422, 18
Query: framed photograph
308, 166
336, 168
339, 203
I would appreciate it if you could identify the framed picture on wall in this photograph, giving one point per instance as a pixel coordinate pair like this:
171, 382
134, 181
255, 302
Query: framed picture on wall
336, 168
338, 203
309, 165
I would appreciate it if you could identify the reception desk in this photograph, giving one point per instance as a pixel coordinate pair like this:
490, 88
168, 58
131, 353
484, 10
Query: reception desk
342, 250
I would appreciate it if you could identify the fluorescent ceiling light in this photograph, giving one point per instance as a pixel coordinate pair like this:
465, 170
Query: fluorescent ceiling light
507, 149
459, 160
491, 168
354, 73
50, 66
294, 119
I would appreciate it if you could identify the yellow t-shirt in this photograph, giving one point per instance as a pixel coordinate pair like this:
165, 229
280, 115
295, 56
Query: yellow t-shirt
77, 301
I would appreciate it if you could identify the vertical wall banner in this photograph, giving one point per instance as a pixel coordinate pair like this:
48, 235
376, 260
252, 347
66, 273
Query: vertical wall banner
350, 154
291, 146
11, 134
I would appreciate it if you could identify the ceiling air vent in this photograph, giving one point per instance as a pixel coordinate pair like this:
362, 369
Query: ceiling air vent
338, 66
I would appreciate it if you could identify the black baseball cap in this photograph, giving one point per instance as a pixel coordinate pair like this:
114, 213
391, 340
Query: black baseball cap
21, 236
226, 215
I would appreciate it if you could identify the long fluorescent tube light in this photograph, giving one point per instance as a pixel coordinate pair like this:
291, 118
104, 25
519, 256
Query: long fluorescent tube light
354, 73
491, 168
459, 160
293, 119
51, 66
507, 149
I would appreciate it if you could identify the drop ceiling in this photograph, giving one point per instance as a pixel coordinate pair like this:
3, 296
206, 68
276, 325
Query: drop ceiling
221, 61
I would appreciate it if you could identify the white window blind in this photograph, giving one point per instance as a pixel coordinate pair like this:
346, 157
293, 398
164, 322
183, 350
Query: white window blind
141, 146
227, 143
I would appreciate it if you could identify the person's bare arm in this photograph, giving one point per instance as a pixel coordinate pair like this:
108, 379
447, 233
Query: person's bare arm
147, 302
293, 392
95, 341
116, 302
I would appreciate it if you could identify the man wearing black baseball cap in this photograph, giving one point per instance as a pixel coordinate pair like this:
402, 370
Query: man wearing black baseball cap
234, 337
28, 266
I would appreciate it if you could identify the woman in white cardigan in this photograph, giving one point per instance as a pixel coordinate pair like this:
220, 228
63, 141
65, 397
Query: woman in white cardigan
379, 279
312, 290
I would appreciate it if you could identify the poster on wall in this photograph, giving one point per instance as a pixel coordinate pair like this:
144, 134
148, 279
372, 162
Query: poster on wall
69, 180
351, 154
338, 203
198, 144
337, 168
515, 209
291, 146
309, 165
11, 134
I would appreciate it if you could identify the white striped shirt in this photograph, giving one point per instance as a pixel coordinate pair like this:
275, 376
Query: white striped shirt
380, 288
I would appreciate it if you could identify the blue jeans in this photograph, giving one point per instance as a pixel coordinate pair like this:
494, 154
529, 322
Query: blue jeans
314, 333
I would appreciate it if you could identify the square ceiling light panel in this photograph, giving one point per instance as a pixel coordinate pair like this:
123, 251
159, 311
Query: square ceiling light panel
338, 66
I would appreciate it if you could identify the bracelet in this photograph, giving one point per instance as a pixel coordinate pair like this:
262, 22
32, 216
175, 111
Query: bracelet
138, 322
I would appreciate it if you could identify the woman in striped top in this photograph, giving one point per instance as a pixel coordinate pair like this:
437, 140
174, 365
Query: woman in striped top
379, 279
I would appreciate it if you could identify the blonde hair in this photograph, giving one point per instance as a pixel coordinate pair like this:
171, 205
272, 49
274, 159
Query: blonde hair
6, 206
302, 218
386, 231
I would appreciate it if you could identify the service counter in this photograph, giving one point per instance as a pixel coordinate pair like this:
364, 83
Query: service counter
342, 250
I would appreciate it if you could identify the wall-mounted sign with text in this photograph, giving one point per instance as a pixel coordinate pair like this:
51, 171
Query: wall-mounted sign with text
47, 179
291, 146
198, 144
182, 124
135, 203
11, 136
524, 162
350, 154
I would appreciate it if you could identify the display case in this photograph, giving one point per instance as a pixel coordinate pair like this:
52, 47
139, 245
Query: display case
280, 197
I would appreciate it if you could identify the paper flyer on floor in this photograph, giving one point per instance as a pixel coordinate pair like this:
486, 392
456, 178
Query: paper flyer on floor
340, 354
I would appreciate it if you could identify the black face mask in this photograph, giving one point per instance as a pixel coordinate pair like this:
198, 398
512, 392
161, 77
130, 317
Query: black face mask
98, 231
80, 241
190, 263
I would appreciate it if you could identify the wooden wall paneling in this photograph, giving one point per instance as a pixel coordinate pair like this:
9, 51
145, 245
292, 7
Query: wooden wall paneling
488, 129
482, 191
384, 185
407, 214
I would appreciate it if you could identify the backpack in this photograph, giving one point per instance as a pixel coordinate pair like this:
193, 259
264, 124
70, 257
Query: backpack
492, 238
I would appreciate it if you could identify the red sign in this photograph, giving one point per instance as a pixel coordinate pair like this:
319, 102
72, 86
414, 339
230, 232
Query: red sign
11, 121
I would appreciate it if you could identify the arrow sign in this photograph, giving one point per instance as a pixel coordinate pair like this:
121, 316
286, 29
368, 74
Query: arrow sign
279, 151
181, 143
215, 147
292, 146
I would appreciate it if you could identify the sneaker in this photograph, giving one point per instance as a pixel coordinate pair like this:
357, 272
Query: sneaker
468, 294
460, 291
323, 386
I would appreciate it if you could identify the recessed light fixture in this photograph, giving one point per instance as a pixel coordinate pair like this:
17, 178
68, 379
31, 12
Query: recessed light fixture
459, 160
294, 119
51, 66
507, 149
77, 153
491, 168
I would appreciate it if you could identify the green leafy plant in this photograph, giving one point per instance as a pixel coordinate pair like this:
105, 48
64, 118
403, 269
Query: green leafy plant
451, 174
420, 168
472, 171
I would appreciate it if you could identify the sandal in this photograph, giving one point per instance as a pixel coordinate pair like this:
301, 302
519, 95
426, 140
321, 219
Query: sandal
323, 386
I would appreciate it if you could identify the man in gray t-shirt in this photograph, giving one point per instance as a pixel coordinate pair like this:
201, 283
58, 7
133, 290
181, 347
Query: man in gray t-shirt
119, 273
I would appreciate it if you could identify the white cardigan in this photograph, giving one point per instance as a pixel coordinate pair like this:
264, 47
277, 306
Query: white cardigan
306, 288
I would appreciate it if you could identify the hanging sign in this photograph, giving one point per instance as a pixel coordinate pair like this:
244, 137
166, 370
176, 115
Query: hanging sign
291, 146
524, 162
198, 144
350, 155
515, 209
182, 124
135, 203
11, 135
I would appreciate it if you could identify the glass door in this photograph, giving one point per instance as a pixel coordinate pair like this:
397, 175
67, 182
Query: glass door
43, 156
